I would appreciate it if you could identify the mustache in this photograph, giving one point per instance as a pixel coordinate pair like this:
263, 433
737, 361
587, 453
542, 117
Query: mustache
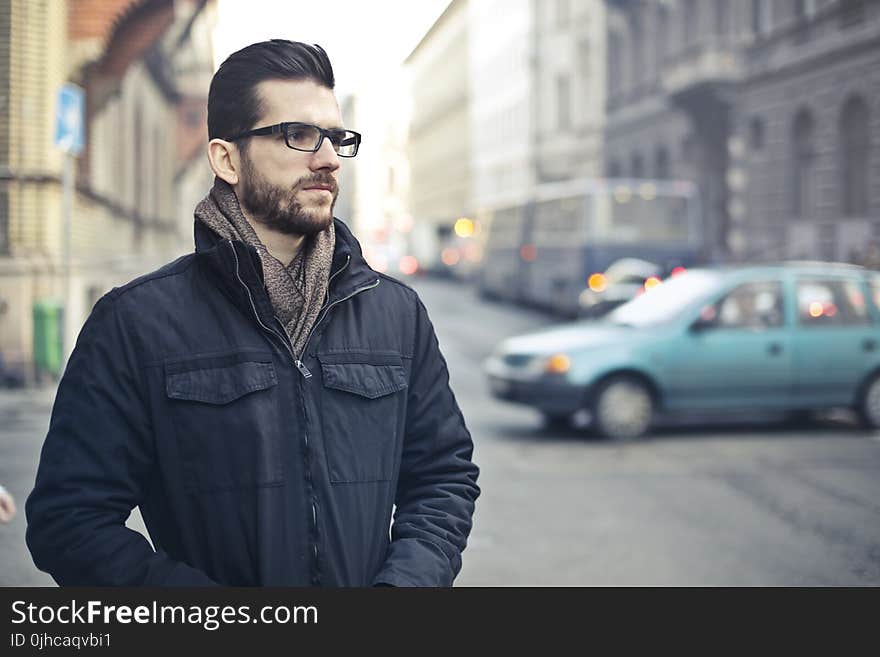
325, 181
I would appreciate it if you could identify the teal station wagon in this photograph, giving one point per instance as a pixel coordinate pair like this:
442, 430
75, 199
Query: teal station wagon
792, 336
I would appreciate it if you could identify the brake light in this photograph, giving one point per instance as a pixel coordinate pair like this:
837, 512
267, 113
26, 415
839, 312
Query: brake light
528, 252
450, 256
652, 282
408, 265
678, 270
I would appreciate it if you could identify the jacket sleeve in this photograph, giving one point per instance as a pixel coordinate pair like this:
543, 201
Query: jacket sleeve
437, 486
94, 468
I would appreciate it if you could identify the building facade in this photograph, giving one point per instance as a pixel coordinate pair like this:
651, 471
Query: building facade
439, 145
501, 43
808, 127
374, 186
124, 208
569, 89
770, 106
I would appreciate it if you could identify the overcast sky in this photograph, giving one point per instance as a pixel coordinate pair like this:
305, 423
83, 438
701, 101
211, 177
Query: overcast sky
362, 37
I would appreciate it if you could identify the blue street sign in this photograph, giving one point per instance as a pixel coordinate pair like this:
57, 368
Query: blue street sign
70, 119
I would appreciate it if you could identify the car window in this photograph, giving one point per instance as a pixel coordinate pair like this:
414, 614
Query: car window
831, 302
666, 302
874, 283
753, 305
630, 280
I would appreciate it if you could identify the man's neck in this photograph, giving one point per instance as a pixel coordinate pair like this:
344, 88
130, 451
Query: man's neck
281, 246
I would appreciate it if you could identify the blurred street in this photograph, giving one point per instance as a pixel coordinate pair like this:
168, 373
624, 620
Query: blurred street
697, 503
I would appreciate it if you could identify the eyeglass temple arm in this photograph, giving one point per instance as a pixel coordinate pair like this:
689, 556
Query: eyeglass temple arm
268, 130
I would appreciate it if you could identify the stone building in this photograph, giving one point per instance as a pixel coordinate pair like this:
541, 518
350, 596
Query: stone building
569, 89
771, 106
133, 59
808, 127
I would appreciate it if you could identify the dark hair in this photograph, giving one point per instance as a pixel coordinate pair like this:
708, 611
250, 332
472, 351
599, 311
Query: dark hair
233, 103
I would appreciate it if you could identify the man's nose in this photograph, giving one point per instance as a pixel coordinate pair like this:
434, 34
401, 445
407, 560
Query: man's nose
325, 157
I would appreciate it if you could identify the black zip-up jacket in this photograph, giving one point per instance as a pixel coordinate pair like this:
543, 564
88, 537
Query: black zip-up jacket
252, 465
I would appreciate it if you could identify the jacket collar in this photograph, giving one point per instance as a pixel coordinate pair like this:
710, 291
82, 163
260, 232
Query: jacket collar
349, 270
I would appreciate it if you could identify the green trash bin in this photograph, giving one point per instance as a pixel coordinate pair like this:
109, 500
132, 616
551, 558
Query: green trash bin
48, 336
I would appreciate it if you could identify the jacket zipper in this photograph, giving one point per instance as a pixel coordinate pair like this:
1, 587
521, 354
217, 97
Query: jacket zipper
296, 361
299, 364
285, 341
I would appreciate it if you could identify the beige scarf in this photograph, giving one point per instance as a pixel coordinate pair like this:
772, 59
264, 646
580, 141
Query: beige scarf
297, 291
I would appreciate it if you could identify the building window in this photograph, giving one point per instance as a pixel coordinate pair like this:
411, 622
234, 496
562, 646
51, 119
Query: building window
756, 133
159, 186
4, 222
762, 16
615, 51
637, 166
614, 169
851, 12
661, 34
584, 59
690, 21
804, 8
803, 164
563, 102
722, 17
140, 170
688, 149
855, 149
563, 13
638, 47
661, 164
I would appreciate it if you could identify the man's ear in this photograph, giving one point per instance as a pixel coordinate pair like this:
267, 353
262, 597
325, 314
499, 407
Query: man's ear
225, 161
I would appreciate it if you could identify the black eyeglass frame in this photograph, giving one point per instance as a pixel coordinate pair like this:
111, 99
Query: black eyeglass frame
281, 128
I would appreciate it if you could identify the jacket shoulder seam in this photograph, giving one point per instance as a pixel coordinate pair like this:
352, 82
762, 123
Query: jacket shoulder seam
117, 293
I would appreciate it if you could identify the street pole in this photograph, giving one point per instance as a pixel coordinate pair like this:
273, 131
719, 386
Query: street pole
67, 183
69, 138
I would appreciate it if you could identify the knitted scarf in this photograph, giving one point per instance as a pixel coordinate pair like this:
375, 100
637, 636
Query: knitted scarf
297, 290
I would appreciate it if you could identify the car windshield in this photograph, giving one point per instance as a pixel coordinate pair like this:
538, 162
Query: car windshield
665, 302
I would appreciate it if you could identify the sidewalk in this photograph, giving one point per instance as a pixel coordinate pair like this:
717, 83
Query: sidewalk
24, 420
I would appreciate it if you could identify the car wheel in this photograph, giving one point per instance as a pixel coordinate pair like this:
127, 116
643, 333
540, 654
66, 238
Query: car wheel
869, 404
623, 408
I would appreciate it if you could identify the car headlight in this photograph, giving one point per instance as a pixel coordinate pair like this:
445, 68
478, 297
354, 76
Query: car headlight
557, 364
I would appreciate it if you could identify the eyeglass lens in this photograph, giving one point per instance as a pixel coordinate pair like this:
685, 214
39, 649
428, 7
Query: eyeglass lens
307, 138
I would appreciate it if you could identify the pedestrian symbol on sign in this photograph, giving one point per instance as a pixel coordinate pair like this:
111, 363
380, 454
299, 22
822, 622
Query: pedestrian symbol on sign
69, 119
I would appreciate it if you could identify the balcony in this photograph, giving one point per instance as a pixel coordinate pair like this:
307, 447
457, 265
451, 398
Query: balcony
706, 70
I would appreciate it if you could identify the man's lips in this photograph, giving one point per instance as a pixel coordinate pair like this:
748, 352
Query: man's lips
326, 188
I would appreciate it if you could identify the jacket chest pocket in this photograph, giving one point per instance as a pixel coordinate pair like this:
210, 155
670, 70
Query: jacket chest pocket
224, 413
362, 406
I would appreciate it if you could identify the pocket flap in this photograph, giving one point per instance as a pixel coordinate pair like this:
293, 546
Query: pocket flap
365, 379
221, 384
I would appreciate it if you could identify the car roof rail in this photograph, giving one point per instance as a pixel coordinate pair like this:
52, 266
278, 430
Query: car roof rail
821, 263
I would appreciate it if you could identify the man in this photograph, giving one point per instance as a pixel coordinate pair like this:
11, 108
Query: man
267, 400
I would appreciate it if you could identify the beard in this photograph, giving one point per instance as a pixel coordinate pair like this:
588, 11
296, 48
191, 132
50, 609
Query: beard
278, 209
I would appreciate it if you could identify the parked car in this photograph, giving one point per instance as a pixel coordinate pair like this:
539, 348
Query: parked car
623, 281
790, 336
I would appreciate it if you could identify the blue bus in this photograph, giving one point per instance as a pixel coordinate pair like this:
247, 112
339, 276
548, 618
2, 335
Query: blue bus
541, 251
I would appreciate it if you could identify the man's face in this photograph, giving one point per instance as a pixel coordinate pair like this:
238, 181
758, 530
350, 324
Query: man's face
286, 190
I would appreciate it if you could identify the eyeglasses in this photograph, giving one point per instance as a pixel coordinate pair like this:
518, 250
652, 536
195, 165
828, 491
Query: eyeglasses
308, 138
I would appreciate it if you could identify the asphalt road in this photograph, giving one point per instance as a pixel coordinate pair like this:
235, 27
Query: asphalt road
743, 502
